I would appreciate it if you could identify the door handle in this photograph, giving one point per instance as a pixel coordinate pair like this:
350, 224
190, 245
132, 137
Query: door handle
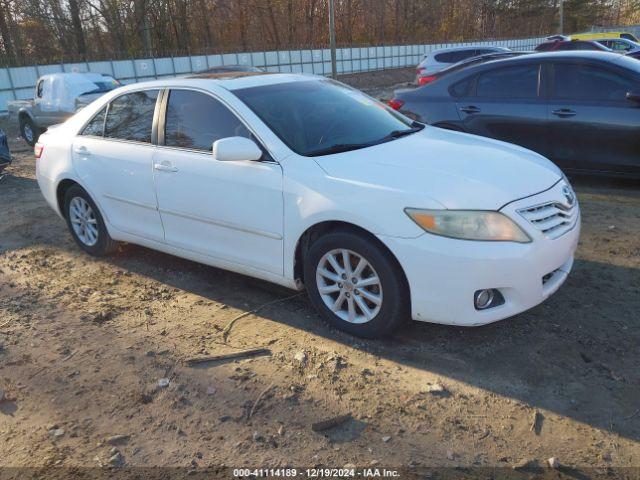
564, 113
165, 167
82, 151
470, 109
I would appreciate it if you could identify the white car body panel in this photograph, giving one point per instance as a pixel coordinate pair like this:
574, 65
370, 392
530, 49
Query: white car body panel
227, 210
248, 217
119, 174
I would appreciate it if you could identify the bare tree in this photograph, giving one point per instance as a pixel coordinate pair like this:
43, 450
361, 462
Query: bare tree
48, 30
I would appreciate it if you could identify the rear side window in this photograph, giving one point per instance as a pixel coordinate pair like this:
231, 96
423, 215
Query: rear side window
443, 57
519, 81
195, 120
588, 82
130, 116
96, 125
454, 57
461, 89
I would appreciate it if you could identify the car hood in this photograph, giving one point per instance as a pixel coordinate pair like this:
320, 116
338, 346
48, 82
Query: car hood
457, 170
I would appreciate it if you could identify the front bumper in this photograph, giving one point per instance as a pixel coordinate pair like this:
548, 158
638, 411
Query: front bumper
444, 273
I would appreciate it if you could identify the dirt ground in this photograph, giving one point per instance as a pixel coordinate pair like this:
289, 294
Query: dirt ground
84, 343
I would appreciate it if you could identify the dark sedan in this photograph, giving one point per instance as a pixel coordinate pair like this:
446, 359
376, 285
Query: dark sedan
564, 45
579, 109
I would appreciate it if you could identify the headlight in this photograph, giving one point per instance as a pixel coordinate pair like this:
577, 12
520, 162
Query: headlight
469, 225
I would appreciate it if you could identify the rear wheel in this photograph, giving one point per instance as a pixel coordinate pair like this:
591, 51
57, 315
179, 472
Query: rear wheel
28, 130
356, 285
86, 224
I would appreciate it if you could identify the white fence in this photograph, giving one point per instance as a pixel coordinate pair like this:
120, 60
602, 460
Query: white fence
17, 83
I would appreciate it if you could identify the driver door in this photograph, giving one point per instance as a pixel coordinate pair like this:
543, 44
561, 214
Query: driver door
229, 211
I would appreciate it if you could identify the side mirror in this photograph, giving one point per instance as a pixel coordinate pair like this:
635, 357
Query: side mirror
234, 149
634, 96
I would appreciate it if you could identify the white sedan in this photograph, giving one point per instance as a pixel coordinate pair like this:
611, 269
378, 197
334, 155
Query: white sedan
305, 182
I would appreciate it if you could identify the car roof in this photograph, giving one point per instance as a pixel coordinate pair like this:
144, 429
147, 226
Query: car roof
468, 47
75, 75
561, 54
229, 81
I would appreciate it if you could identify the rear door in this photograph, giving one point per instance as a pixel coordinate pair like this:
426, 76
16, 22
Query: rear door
594, 127
113, 157
506, 103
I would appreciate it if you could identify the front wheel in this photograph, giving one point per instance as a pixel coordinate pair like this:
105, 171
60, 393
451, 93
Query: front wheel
86, 224
356, 285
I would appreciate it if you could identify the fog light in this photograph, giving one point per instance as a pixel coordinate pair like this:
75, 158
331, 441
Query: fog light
484, 298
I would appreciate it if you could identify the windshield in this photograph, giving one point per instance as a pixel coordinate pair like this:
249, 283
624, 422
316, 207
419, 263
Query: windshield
323, 117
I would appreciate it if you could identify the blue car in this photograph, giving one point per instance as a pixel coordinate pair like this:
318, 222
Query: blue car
5, 154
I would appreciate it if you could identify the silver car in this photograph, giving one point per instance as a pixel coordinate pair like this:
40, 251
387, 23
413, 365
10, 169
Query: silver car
620, 45
438, 60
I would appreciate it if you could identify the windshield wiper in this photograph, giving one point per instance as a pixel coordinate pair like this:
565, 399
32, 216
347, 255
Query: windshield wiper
345, 147
401, 133
338, 148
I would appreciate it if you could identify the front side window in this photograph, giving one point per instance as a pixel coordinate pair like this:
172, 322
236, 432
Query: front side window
319, 117
588, 82
96, 125
519, 81
130, 116
195, 120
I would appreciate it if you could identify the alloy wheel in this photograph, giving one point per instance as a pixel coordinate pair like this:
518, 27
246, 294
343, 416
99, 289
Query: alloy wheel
349, 286
83, 221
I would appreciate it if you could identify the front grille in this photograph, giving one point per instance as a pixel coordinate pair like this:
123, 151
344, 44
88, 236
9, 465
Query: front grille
554, 219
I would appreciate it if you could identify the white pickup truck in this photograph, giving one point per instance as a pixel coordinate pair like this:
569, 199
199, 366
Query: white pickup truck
58, 96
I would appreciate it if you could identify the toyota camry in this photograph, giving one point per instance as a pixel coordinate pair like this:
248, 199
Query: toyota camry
307, 183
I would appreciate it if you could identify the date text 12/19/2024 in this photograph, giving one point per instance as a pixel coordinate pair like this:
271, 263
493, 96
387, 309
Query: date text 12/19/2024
315, 472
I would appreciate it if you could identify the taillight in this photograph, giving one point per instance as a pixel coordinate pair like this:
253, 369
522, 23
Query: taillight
419, 70
38, 149
395, 103
428, 79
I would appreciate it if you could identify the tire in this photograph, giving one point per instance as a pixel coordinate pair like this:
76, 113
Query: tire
392, 290
95, 241
29, 131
